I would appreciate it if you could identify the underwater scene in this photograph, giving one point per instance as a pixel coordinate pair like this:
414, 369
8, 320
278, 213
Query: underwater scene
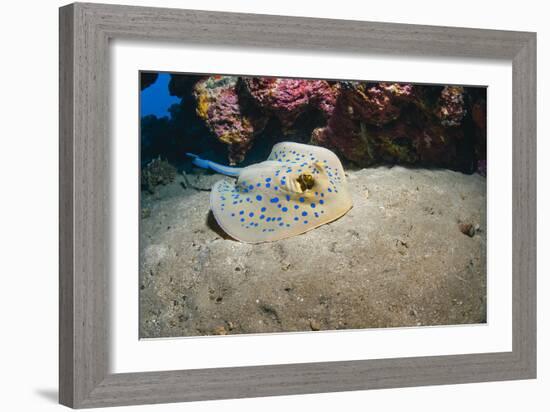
274, 204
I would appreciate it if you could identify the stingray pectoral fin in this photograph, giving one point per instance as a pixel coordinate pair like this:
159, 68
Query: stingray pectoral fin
216, 167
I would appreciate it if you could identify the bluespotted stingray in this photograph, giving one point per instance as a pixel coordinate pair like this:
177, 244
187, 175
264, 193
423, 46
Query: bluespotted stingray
298, 188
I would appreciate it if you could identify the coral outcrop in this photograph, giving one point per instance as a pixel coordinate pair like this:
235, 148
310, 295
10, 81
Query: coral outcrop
157, 172
450, 109
366, 123
219, 105
399, 123
354, 129
287, 99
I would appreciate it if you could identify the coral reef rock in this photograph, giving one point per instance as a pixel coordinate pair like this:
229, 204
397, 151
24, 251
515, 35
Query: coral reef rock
218, 104
376, 103
451, 109
355, 127
157, 172
398, 124
366, 123
287, 99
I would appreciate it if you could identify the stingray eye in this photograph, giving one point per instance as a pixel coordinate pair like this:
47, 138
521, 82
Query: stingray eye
306, 181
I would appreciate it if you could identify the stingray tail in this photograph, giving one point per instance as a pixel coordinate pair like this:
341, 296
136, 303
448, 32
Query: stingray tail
207, 164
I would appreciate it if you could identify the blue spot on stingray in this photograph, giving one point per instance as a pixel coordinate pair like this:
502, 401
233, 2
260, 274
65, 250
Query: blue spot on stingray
296, 207
258, 198
329, 189
267, 185
322, 201
263, 209
241, 212
245, 190
276, 188
305, 222
322, 195
268, 219
281, 224
296, 218
242, 219
268, 179
251, 214
279, 218
287, 197
304, 213
274, 200
262, 216
285, 209
302, 199
258, 185
251, 187
313, 205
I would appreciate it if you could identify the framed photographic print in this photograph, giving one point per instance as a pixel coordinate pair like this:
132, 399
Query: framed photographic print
257, 205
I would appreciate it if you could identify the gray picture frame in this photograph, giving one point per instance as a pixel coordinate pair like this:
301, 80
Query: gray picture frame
85, 32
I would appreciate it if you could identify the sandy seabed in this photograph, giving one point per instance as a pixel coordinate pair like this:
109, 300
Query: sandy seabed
399, 258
